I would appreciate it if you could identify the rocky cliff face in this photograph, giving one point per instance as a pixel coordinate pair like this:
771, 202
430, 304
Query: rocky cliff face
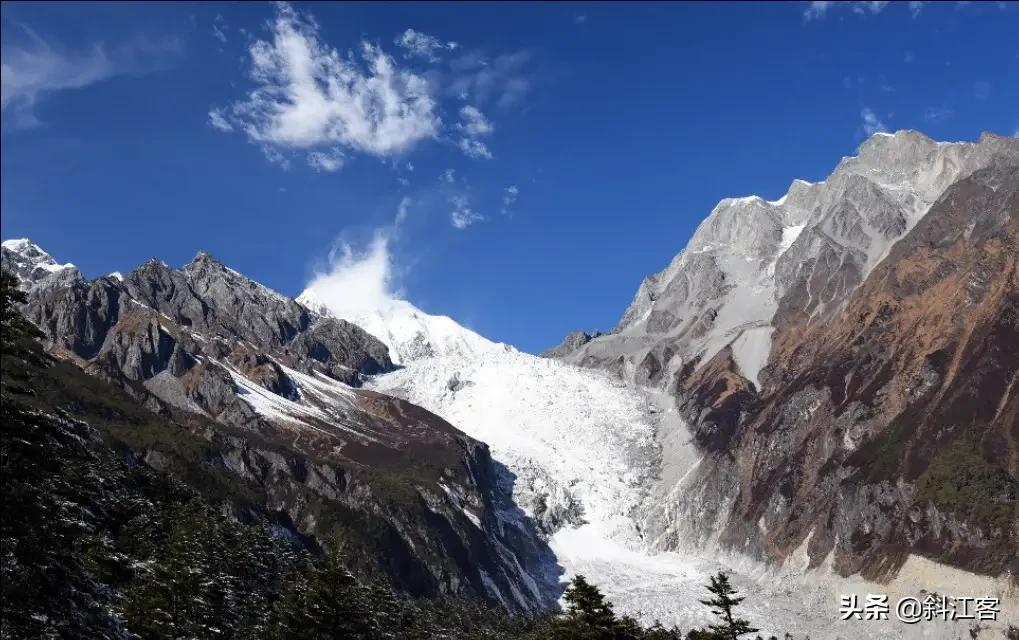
273, 386
845, 358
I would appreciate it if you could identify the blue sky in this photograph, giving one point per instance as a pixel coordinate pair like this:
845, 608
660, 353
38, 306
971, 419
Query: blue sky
517, 167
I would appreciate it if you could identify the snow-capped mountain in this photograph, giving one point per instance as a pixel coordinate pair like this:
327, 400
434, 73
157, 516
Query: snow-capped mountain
547, 421
792, 399
631, 480
583, 456
845, 357
819, 240
35, 268
273, 388
409, 333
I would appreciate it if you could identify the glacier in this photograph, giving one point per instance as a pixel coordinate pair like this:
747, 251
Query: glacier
586, 453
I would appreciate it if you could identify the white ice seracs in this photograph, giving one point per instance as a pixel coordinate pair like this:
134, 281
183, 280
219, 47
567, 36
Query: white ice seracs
573, 437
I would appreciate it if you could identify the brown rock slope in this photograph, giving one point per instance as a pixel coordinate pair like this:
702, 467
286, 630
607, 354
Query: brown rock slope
892, 426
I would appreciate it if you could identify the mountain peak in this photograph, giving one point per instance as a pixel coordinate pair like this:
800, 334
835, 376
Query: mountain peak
18, 244
153, 263
32, 266
33, 253
203, 257
408, 332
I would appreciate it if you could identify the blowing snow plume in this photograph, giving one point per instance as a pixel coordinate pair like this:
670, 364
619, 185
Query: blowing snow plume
360, 287
356, 282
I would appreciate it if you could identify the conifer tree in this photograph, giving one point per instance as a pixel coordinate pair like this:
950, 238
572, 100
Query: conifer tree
336, 600
292, 616
587, 605
722, 603
588, 616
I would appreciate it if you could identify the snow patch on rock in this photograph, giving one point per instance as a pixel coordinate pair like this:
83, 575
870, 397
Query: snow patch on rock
750, 351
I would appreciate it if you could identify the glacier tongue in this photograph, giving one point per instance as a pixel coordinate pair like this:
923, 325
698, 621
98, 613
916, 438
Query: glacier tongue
583, 455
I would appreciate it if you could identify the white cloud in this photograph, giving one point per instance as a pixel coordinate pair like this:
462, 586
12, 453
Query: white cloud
218, 121
819, 10
474, 125
326, 161
276, 158
26, 75
937, 114
510, 194
871, 122
463, 215
32, 69
356, 281
474, 149
915, 8
872, 7
307, 95
502, 80
422, 45
402, 210
580, 19
448, 176
219, 28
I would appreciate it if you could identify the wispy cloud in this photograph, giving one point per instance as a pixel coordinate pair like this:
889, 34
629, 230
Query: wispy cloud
455, 190
33, 68
473, 148
982, 89
938, 114
276, 158
326, 161
463, 215
474, 125
820, 10
871, 123
403, 210
421, 45
218, 121
503, 80
509, 197
219, 28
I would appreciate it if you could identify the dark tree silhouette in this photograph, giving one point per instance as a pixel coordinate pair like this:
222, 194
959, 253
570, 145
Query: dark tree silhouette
722, 603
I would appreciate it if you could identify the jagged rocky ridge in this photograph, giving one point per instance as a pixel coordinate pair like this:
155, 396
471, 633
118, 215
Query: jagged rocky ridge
273, 386
846, 360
